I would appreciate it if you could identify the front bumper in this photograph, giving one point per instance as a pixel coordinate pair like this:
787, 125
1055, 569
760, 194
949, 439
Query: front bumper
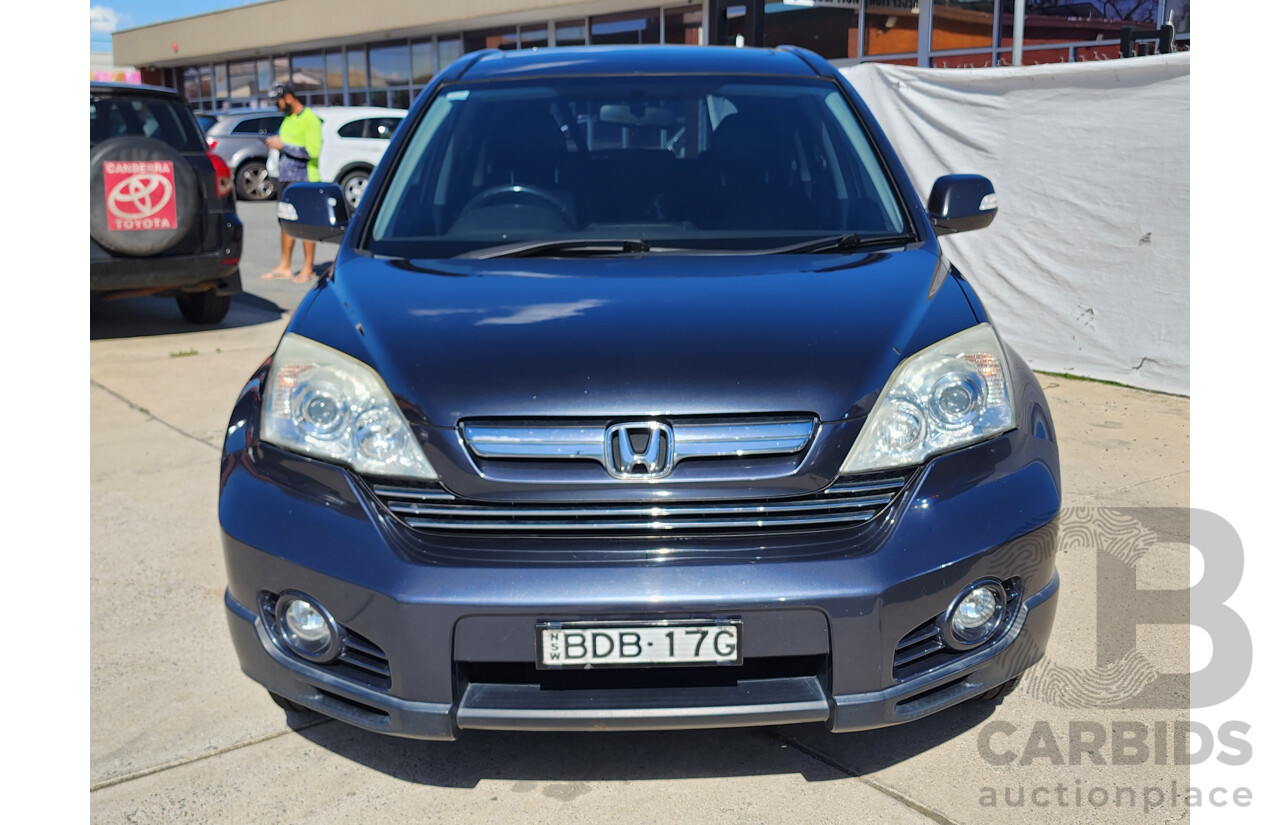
831, 618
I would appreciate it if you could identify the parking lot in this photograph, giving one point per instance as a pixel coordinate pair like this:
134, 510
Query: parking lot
178, 734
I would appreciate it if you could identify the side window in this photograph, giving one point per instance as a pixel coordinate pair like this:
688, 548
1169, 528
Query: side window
146, 119
257, 126
383, 127
354, 129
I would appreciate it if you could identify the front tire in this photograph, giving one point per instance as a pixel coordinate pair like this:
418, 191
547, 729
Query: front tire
204, 307
252, 182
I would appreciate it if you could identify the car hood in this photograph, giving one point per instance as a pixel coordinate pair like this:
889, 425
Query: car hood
646, 335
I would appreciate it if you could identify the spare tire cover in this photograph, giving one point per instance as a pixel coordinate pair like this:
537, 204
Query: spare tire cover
143, 195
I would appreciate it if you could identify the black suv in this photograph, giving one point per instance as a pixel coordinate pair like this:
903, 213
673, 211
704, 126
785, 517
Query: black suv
162, 213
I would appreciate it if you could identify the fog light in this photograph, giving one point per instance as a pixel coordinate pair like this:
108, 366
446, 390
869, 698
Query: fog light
306, 628
975, 616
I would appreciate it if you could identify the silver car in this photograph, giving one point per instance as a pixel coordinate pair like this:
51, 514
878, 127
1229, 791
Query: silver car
237, 137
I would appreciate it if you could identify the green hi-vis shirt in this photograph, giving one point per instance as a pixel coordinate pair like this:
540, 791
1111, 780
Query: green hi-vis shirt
300, 157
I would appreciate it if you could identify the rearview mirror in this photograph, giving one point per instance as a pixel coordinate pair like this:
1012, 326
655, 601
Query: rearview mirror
313, 212
960, 203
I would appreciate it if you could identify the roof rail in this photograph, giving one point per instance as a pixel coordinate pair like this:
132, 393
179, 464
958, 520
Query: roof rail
474, 58
815, 62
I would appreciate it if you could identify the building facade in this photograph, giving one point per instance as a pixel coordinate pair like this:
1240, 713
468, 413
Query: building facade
384, 52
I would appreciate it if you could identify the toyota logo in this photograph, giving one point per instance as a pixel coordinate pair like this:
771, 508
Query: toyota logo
638, 450
139, 196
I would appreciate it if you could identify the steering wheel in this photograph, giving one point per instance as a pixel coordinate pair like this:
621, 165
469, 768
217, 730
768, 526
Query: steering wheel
520, 190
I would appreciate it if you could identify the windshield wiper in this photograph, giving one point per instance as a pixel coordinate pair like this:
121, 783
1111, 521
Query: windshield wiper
839, 243
583, 246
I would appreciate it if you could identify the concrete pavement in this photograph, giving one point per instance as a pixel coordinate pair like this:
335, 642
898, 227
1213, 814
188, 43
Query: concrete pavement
179, 735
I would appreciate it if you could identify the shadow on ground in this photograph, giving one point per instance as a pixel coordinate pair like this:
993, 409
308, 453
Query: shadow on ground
141, 317
628, 756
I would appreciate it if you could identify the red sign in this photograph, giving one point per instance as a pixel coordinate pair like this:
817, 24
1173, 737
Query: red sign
139, 195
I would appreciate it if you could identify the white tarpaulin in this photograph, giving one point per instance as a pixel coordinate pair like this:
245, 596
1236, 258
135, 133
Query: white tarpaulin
1086, 269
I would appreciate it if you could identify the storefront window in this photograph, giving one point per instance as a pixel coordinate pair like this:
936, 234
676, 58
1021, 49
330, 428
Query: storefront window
242, 79
682, 26
450, 49
265, 77
191, 83
281, 69
308, 72
334, 68
831, 32
893, 27
501, 38
220, 81
627, 27
1051, 26
423, 57
571, 33
533, 37
389, 65
399, 98
357, 70
963, 24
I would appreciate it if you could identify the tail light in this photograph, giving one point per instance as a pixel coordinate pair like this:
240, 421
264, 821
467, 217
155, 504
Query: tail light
213, 143
223, 174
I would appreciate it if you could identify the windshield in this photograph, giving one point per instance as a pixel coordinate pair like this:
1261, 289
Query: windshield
685, 162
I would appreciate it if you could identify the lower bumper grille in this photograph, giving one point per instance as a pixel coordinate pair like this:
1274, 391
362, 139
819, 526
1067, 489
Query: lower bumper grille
849, 501
922, 649
360, 660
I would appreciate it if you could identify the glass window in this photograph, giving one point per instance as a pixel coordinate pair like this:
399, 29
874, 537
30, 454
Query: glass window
243, 80
206, 82
501, 38
265, 77
308, 72
191, 82
1181, 11
358, 98
683, 161
892, 27
626, 27
1052, 26
258, 126
963, 24
354, 129
683, 26
571, 33
399, 98
164, 120
389, 65
220, 81
357, 69
450, 49
533, 37
423, 55
382, 128
335, 64
280, 68
831, 32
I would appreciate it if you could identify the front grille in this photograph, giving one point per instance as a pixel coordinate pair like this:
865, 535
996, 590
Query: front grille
922, 649
360, 660
848, 502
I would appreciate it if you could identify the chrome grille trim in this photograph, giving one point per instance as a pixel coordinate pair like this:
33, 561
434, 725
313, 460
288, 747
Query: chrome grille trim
712, 440
844, 504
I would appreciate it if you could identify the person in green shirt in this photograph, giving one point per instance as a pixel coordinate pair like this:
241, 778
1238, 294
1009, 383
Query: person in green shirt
299, 146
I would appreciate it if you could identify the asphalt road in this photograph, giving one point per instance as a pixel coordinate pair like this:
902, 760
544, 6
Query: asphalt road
178, 734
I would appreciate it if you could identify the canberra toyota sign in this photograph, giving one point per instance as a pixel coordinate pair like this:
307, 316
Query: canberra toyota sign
139, 195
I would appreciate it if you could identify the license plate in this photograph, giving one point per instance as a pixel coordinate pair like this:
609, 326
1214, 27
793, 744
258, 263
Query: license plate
590, 644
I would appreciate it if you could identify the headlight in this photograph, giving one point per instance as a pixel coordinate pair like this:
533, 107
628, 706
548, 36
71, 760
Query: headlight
947, 395
329, 405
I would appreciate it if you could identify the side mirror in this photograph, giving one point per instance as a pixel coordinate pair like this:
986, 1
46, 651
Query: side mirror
313, 212
959, 203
